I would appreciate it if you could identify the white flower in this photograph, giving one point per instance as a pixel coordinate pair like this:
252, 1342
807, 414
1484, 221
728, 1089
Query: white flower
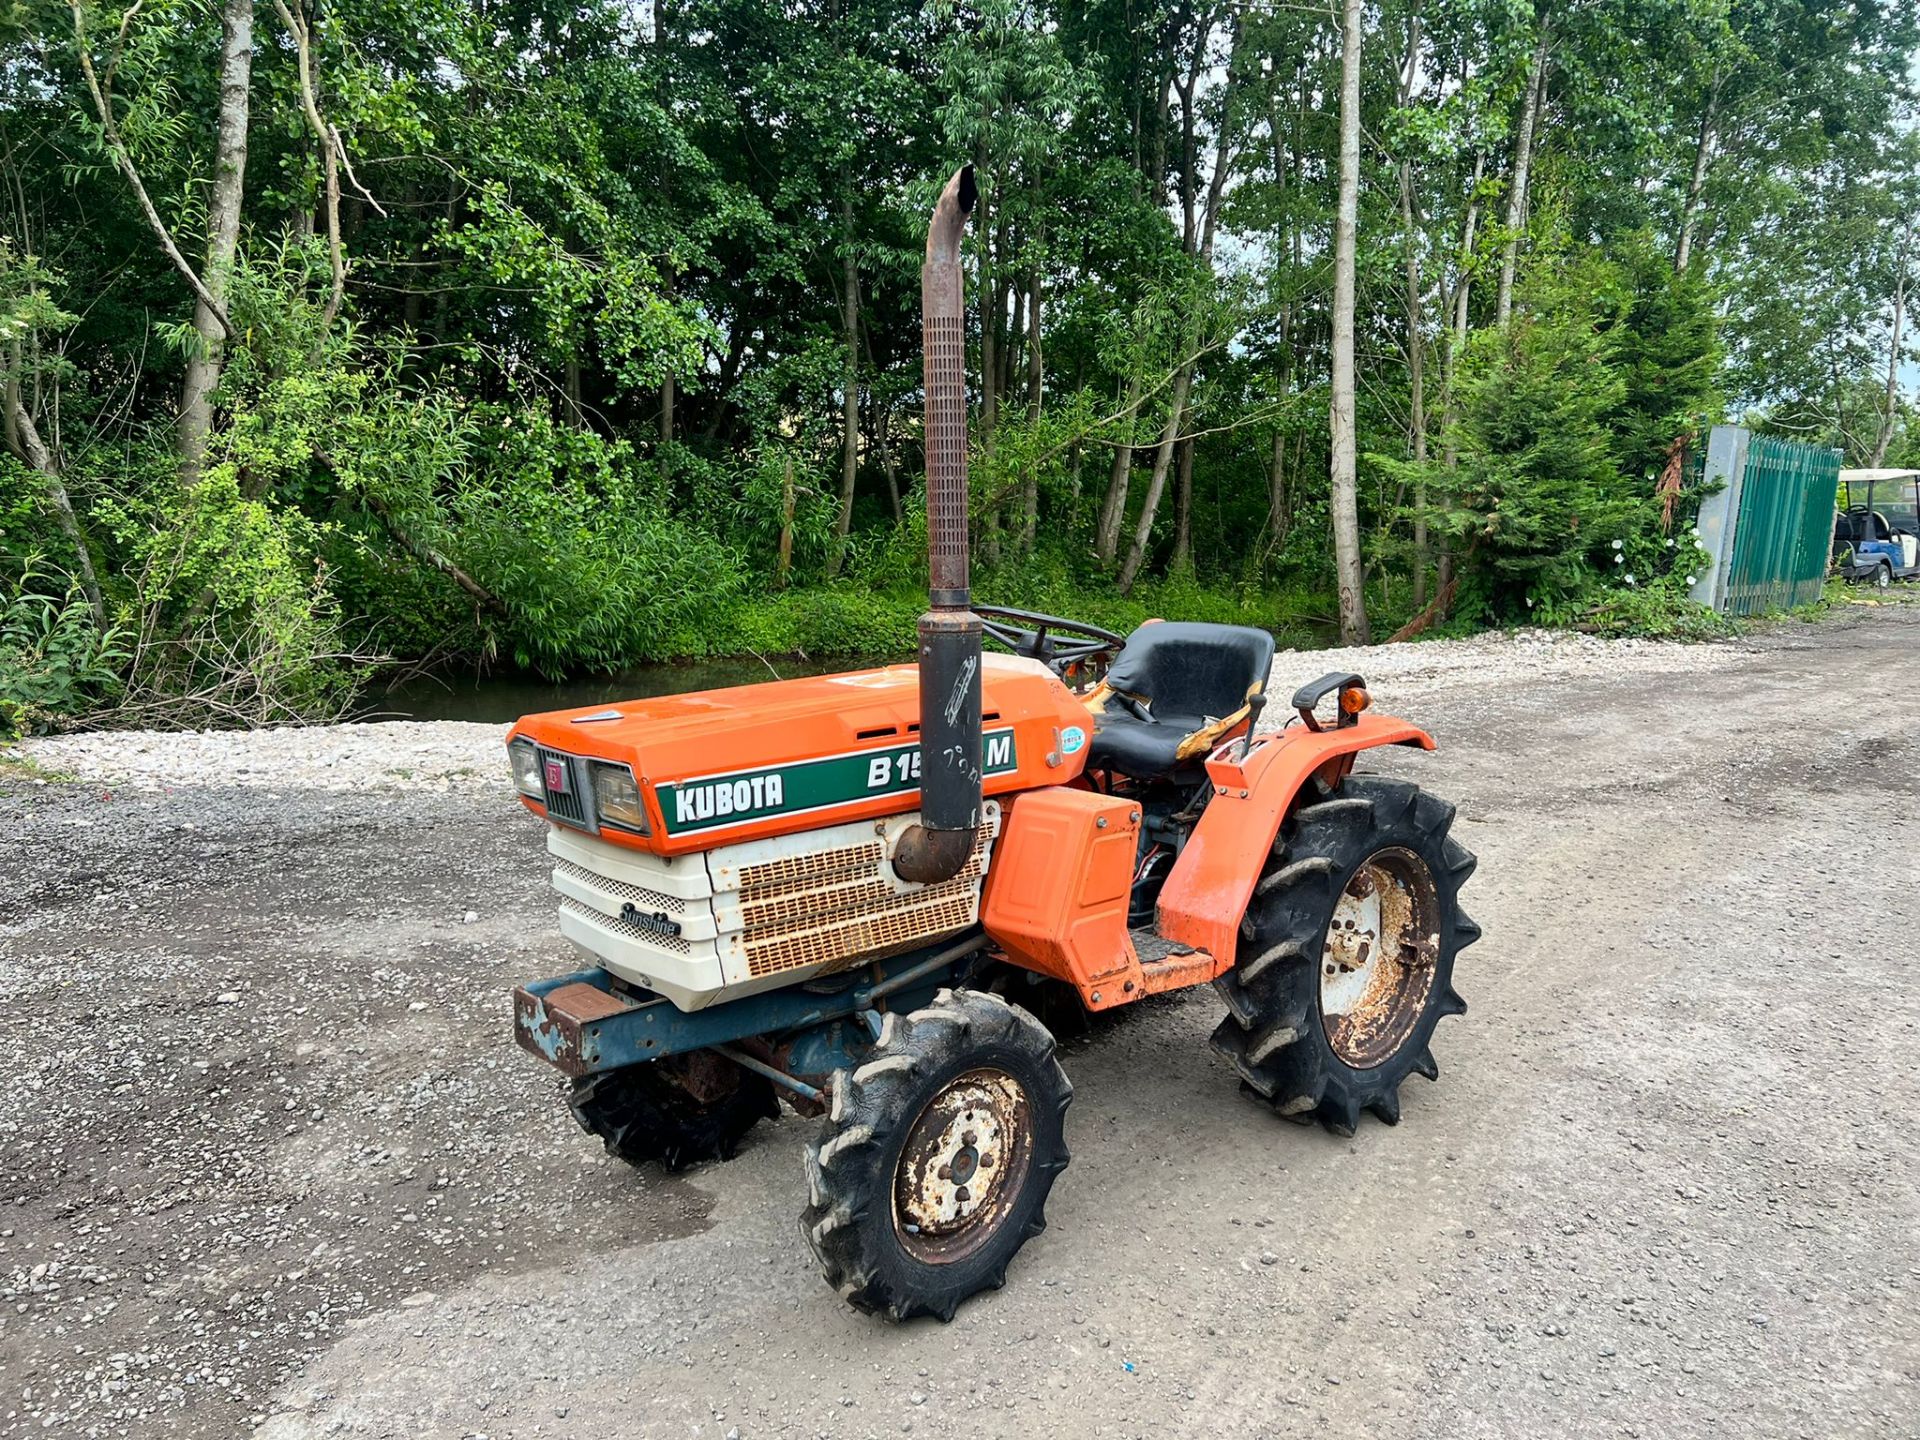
1690, 579
1619, 559
1669, 542
1619, 544
1629, 579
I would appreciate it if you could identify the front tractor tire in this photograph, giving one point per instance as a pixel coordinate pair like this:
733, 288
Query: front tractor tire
678, 1112
1346, 955
933, 1165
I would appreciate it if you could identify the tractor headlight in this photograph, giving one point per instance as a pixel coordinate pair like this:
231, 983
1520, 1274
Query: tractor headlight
526, 769
616, 796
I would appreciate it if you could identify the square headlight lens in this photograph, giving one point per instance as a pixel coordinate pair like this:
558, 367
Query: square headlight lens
616, 797
526, 769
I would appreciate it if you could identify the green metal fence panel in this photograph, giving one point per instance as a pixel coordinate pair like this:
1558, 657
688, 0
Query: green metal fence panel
1785, 526
1768, 523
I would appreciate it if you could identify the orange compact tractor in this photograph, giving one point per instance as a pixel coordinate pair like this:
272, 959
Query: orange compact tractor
852, 892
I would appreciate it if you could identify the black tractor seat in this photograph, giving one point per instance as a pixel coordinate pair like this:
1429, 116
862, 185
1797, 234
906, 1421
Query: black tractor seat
1172, 692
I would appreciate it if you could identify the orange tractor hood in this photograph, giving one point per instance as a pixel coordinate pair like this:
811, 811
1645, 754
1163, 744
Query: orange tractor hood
720, 766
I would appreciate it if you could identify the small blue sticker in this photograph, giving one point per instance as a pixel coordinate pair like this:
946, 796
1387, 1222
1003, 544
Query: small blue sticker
1071, 739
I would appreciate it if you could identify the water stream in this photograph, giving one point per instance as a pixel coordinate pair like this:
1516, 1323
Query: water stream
498, 697
502, 696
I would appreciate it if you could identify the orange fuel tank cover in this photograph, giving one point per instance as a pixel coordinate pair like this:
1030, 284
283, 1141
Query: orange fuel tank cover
1056, 893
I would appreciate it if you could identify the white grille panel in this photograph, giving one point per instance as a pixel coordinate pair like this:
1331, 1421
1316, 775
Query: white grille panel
757, 915
624, 890
631, 929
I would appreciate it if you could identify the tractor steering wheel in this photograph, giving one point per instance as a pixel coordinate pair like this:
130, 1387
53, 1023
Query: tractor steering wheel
1033, 635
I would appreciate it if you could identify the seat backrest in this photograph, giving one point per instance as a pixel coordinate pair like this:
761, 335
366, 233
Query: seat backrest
1186, 668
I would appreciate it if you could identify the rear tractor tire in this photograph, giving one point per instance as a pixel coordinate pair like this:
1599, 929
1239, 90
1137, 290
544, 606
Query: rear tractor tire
1346, 955
934, 1163
650, 1112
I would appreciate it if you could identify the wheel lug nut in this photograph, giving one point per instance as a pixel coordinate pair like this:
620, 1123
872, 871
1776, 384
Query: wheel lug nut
963, 1195
968, 1138
945, 1172
986, 1162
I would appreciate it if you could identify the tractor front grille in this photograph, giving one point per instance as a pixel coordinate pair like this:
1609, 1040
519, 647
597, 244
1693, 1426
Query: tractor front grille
708, 925
836, 908
794, 873
568, 805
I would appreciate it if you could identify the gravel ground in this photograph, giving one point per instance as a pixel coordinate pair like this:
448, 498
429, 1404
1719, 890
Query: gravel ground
269, 1163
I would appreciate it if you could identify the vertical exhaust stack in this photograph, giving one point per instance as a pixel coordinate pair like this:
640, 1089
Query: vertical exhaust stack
950, 763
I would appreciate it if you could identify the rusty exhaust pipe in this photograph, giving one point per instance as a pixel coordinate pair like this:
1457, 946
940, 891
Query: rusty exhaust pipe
938, 847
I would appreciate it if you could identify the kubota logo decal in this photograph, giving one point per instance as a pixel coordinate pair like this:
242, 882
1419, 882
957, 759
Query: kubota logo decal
743, 796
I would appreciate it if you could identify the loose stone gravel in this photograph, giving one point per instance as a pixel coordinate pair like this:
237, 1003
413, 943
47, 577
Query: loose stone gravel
270, 1163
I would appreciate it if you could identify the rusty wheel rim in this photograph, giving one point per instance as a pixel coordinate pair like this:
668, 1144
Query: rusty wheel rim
965, 1160
1376, 970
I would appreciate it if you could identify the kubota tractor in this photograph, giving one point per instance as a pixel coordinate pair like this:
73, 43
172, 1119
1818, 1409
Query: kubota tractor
851, 892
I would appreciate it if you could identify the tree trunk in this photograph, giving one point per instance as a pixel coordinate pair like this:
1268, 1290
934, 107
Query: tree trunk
1162, 462
576, 411
329, 155
1463, 290
1702, 159
223, 234
1277, 495
1416, 342
1113, 509
1163, 109
1456, 343
1036, 385
1345, 460
23, 438
1201, 245
1517, 189
1183, 509
889, 465
1284, 152
1884, 437
784, 566
1012, 355
668, 393
1036, 377
849, 385
723, 387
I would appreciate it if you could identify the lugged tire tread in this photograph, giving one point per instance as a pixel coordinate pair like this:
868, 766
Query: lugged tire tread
641, 1116
870, 1101
1271, 1033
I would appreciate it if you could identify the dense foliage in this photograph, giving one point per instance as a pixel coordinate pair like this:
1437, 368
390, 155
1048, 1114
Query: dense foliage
567, 333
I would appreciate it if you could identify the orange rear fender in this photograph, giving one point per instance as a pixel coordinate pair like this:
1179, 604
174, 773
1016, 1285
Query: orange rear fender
1208, 889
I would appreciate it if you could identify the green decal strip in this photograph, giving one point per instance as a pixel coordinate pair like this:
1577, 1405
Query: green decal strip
742, 796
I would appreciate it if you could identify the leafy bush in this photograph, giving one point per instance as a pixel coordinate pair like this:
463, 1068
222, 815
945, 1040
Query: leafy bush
1659, 611
578, 541
760, 511
55, 660
233, 616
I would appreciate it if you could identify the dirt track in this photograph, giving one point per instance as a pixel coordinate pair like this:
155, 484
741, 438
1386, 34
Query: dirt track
269, 1163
